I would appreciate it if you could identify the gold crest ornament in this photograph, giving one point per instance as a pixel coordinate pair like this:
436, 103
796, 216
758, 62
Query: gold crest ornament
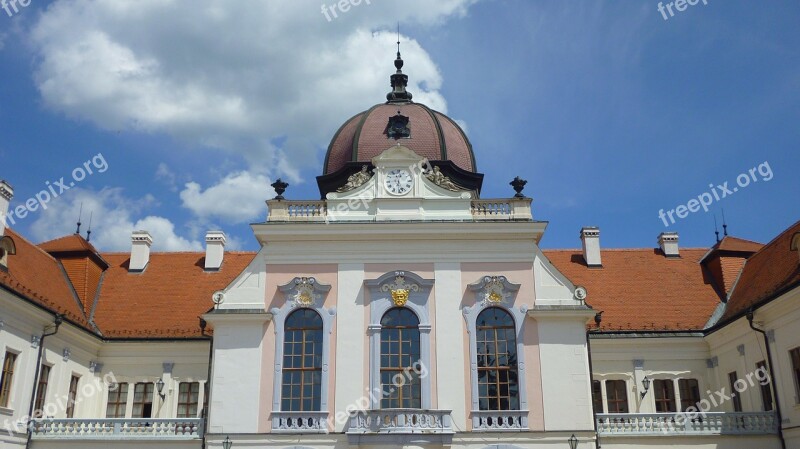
400, 289
400, 297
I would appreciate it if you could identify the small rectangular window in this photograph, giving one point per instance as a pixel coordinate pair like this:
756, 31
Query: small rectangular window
9, 362
597, 396
117, 400
665, 395
690, 393
72, 395
617, 396
143, 400
795, 355
766, 387
737, 400
188, 398
41, 391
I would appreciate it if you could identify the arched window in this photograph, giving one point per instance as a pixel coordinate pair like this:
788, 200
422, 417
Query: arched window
498, 380
302, 362
400, 351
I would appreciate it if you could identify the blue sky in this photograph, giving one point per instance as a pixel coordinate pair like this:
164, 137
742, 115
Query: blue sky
610, 112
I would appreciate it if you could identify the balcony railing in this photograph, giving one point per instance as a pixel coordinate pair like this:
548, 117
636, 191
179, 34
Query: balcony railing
317, 211
400, 420
299, 422
118, 429
756, 423
499, 420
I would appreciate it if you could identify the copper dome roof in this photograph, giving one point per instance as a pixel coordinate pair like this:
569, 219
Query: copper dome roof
432, 135
428, 133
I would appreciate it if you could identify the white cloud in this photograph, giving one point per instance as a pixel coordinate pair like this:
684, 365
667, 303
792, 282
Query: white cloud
165, 175
237, 77
236, 198
111, 221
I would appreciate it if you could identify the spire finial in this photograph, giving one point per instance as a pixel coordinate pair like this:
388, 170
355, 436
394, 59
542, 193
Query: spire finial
89, 232
399, 81
724, 225
716, 229
80, 212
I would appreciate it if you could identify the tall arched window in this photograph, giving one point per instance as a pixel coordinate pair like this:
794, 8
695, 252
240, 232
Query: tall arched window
302, 362
498, 380
400, 351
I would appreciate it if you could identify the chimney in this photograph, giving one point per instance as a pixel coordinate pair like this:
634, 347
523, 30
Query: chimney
140, 251
668, 241
6, 193
215, 250
590, 237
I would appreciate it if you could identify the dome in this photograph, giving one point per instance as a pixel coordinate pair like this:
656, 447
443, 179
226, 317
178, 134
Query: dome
428, 133
431, 134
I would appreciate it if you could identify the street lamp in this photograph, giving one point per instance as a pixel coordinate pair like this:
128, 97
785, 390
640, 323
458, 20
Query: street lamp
160, 387
645, 385
227, 443
573, 442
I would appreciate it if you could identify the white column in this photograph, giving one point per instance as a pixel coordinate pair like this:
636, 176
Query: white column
452, 376
350, 335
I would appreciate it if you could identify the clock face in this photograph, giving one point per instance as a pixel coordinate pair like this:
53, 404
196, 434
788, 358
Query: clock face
398, 181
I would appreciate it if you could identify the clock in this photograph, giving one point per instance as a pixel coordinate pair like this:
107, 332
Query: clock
398, 181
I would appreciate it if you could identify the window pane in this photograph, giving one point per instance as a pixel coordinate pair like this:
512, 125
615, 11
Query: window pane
690, 393
617, 395
737, 400
665, 395
496, 341
9, 363
72, 396
117, 401
795, 355
400, 350
188, 396
302, 362
41, 391
766, 388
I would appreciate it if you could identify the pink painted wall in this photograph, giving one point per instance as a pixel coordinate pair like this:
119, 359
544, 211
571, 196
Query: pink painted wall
276, 276
517, 273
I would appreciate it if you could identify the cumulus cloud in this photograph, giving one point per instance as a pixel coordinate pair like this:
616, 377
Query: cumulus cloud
233, 77
111, 221
248, 189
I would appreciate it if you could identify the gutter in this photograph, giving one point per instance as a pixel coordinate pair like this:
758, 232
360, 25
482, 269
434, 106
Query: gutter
57, 320
774, 385
206, 410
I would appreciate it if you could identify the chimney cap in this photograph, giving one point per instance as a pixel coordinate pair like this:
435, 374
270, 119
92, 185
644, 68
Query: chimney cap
141, 236
216, 236
6, 191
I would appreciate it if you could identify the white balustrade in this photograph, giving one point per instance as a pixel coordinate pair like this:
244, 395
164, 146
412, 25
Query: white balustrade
299, 422
749, 423
108, 428
399, 421
499, 420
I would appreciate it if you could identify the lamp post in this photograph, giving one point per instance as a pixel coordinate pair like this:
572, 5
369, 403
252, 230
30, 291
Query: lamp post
645, 385
160, 387
573, 442
227, 443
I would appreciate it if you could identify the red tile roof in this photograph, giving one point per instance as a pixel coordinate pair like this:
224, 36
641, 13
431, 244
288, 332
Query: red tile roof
166, 299
36, 275
767, 273
640, 289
